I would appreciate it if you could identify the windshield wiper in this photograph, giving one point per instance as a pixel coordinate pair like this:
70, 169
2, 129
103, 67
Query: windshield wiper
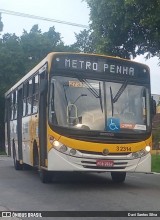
111, 93
100, 96
93, 90
120, 91
89, 87
64, 88
118, 94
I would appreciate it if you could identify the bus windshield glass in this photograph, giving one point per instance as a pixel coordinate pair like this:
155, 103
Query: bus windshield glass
97, 105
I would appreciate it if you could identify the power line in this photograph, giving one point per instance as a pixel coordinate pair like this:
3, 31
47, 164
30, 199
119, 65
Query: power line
41, 18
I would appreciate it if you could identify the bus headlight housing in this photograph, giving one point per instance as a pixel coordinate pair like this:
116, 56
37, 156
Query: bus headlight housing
59, 146
65, 149
148, 148
72, 152
141, 153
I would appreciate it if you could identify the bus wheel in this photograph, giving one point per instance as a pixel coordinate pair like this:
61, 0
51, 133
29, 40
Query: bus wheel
17, 164
45, 176
118, 177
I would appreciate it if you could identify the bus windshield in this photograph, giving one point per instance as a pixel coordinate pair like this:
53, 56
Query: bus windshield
98, 105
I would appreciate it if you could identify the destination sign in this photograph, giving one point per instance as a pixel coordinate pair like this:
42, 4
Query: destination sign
99, 66
106, 65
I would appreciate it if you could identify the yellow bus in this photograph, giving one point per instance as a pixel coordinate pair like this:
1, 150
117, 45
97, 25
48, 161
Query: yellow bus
81, 112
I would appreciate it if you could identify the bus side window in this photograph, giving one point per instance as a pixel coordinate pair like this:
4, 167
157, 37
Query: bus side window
7, 113
12, 107
25, 99
35, 94
29, 97
15, 105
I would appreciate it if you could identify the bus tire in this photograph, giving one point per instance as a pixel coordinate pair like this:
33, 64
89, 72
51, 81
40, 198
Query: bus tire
118, 177
17, 164
45, 176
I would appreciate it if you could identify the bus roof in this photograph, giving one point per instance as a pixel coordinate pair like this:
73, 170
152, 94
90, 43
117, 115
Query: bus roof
49, 58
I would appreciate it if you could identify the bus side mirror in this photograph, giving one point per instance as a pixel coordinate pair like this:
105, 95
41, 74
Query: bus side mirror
153, 107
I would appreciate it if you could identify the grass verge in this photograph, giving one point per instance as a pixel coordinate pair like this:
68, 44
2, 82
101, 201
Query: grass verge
156, 163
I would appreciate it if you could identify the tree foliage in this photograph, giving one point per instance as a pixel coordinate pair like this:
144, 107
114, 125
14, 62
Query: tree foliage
37, 45
84, 42
11, 61
125, 28
19, 54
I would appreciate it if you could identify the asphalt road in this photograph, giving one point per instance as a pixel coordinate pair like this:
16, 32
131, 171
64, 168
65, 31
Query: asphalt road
23, 191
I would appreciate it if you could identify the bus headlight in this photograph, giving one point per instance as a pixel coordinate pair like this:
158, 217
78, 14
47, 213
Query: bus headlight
73, 152
63, 148
135, 155
56, 144
141, 153
60, 147
66, 150
148, 148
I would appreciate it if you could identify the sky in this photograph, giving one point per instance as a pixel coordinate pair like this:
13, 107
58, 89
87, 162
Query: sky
75, 11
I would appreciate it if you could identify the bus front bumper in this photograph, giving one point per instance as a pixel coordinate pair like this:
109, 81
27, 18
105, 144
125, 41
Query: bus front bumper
58, 161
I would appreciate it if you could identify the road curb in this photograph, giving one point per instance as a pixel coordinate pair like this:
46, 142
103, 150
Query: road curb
156, 173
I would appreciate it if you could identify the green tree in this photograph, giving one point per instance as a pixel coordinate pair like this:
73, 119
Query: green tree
126, 28
11, 67
11, 61
84, 42
19, 54
36, 45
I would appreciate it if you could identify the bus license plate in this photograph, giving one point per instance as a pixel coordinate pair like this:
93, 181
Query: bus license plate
104, 163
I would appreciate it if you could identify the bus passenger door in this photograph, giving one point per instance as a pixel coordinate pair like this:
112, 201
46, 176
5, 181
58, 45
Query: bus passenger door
43, 118
19, 122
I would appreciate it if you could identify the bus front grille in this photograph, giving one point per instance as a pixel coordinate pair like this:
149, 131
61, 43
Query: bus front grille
101, 162
101, 153
104, 168
93, 165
